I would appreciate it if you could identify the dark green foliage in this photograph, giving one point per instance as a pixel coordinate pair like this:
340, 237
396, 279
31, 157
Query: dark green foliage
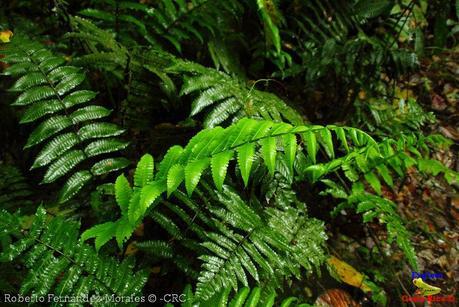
308, 117
70, 132
167, 23
229, 98
14, 189
60, 264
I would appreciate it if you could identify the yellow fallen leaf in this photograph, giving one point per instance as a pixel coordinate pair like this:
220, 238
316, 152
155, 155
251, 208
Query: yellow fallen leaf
5, 36
348, 274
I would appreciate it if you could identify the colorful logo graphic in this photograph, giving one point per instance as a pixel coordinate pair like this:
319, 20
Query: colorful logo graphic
424, 288
426, 292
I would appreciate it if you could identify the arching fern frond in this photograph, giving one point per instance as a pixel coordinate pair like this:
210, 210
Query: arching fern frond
228, 98
61, 265
72, 133
213, 149
210, 152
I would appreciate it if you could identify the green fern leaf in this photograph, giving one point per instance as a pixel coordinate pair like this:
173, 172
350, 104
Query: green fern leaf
49, 92
148, 195
268, 152
311, 145
41, 109
33, 95
99, 130
109, 165
219, 166
144, 171
245, 157
123, 193
57, 262
193, 172
63, 165
47, 129
89, 113
102, 233
124, 229
104, 146
74, 184
55, 148
290, 149
175, 177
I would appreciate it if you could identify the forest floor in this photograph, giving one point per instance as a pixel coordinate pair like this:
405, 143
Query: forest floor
429, 205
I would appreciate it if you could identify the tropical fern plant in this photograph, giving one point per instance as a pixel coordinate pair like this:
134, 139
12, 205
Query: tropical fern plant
222, 97
61, 265
364, 159
72, 134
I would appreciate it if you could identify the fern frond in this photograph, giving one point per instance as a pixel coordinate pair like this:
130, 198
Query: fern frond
51, 94
250, 245
212, 149
229, 98
59, 264
247, 141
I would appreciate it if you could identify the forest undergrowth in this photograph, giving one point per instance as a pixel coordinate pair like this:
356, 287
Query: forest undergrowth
229, 152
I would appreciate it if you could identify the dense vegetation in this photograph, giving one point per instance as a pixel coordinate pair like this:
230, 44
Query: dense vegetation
222, 149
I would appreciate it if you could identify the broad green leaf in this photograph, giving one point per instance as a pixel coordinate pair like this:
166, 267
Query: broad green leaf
269, 152
311, 145
102, 232
109, 165
193, 172
123, 193
74, 185
63, 165
290, 148
374, 182
245, 157
124, 230
144, 171
148, 194
219, 167
175, 177
47, 129
327, 142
